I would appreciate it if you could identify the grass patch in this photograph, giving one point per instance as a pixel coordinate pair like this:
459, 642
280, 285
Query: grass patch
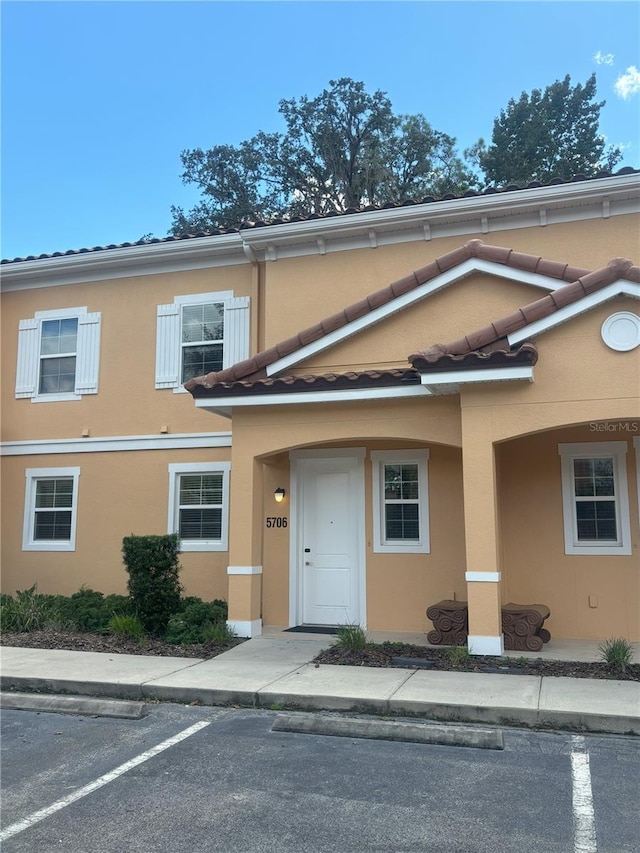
617, 653
351, 637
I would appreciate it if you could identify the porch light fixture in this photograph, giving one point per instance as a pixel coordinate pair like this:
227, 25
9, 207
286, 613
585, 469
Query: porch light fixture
279, 495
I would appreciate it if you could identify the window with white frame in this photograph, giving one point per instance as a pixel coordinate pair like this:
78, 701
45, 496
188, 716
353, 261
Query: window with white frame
198, 334
595, 498
51, 503
199, 505
400, 501
58, 355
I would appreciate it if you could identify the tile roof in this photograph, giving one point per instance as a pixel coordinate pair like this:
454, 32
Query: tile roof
255, 367
250, 225
486, 347
391, 377
494, 336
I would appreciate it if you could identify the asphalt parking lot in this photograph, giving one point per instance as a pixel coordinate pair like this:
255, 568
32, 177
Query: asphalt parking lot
211, 779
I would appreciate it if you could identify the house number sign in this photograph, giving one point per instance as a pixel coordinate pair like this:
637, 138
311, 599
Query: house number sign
275, 521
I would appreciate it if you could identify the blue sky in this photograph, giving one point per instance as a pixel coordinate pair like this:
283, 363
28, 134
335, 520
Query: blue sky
100, 98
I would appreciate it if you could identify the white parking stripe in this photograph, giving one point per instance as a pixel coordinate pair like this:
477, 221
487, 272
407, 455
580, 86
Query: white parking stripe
36, 817
584, 825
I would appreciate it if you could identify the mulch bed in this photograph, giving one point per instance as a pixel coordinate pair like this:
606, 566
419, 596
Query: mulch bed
383, 656
374, 655
110, 643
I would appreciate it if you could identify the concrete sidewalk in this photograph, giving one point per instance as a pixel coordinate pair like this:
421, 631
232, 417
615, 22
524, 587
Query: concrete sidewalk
268, 672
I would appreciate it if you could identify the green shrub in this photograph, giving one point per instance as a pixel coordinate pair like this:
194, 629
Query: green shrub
195, 617
85, 610
616, 653
351, 637
126, 625
28, 611
152, 564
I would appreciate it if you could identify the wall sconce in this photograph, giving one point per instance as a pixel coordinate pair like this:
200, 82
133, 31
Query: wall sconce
279, 495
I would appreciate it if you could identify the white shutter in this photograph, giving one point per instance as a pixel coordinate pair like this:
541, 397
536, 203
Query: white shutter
168, 346
28, 358
88, 353
236, 330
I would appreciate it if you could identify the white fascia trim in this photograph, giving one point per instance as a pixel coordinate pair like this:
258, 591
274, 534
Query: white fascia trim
573, 201
482, 577
622, 287
178, 256
483, 645
492, 374
176, 441
244, 570
464, 270
245, 628
502, 205
227, 403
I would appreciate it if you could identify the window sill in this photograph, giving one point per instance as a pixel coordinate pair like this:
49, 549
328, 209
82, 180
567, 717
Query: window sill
622, 550
413, 548
49, 546
202, 545
55, 398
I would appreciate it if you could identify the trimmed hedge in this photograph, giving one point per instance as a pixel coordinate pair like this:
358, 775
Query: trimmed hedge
153, 567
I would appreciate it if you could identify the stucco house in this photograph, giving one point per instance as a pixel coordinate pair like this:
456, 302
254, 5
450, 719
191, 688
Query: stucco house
345, 418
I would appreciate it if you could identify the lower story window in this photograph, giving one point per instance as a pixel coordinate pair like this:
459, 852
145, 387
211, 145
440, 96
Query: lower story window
595, 498
51, 500
199, 505
400, 501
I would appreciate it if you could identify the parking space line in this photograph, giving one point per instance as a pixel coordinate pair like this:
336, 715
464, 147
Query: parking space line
584, 825
36, 817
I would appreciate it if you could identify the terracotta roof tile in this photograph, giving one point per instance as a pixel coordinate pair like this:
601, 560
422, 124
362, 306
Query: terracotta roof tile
437, 358
494, 336
497, 254
406, 284
317, 382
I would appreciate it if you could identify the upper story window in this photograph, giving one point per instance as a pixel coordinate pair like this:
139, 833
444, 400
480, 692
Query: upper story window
400, 501
198, 334
58, 355
595, 498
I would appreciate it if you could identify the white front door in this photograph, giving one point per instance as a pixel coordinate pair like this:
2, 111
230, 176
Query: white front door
330, 540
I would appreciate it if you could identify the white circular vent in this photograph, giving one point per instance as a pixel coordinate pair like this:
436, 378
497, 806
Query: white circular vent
621, 331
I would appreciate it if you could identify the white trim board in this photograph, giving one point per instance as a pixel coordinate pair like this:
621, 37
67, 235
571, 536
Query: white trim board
621, 287
105, 444
462, 271
479, 215
224, 405
481, 374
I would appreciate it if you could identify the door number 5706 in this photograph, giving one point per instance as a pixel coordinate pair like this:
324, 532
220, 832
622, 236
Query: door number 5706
274, 521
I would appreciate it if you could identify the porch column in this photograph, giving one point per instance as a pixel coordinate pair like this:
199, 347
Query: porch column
481, 534
245, 545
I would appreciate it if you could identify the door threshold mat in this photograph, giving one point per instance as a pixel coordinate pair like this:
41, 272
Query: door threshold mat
311, 629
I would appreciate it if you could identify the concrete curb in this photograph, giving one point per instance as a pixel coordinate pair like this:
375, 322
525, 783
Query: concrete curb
389, 730
268, 700
83, 705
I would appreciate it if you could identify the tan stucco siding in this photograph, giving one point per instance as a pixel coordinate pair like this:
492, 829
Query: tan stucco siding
315, 286
443, 316
118, 494
590, 596
127, 402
